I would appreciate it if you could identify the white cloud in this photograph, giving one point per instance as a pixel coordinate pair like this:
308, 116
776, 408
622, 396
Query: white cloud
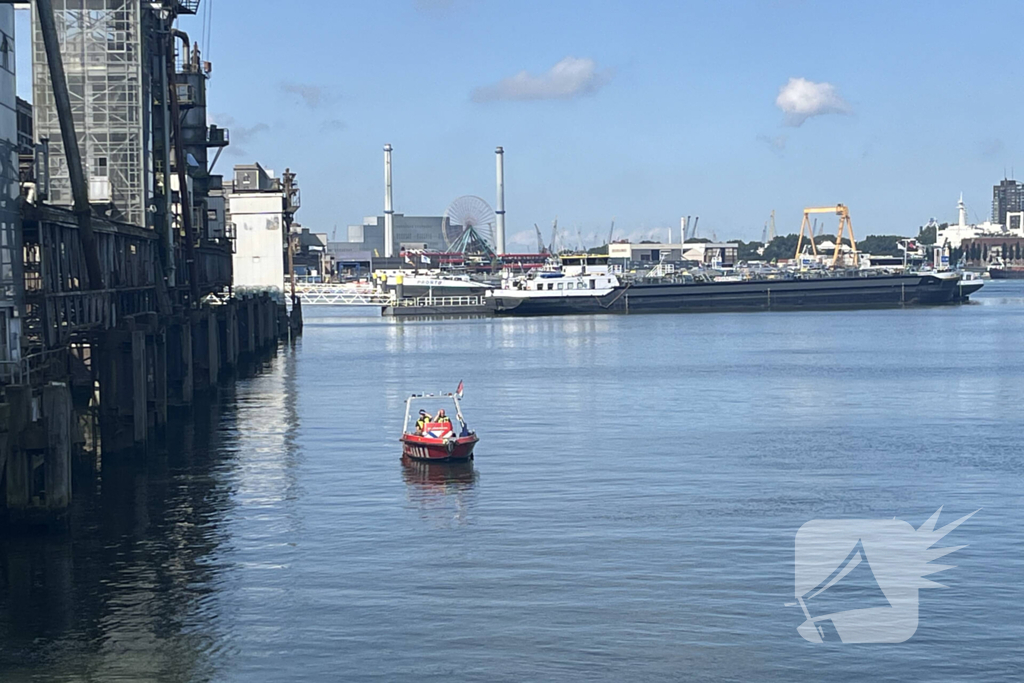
571, 77
801, 99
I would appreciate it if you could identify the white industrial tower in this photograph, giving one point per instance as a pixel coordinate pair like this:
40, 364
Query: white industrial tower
499, 236
389, 225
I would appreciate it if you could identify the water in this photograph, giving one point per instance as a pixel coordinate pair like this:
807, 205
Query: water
630, 515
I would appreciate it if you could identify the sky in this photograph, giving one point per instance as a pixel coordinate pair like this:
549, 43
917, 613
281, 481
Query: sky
639, 111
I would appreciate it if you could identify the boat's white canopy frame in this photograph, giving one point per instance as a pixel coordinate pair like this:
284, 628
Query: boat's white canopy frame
424, 398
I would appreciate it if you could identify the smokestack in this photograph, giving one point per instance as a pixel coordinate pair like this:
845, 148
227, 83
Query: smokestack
389, 225
500, 212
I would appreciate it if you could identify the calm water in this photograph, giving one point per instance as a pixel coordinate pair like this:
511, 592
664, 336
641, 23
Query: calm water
630, 515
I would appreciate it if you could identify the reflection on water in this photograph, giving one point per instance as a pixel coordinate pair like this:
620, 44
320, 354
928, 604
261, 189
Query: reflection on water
131, 592
442, 491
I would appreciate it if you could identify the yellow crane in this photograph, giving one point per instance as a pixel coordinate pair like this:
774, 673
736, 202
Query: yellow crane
845, 226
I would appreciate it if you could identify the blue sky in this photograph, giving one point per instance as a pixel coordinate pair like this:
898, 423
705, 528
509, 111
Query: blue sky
645, 111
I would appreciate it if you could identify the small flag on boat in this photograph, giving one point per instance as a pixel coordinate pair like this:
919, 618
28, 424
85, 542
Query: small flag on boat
424, 258
408, 260
458, 392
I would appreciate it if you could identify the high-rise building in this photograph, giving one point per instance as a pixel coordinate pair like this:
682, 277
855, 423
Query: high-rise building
1008, 195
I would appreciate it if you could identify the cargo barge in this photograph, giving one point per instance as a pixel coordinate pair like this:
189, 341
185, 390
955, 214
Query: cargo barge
584, 284
1006, 272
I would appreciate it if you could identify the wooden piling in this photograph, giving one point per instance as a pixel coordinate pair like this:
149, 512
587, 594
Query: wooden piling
140, 404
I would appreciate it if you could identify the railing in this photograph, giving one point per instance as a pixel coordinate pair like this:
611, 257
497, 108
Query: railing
331, 294
57, 298
21, 371
428, 302
214, 266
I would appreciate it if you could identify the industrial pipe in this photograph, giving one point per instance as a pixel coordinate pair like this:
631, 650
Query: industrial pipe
185, 202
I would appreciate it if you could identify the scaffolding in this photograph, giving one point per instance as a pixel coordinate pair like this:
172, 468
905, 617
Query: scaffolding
102, 45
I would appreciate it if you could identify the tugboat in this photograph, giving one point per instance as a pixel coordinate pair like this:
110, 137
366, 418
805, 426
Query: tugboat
433, 437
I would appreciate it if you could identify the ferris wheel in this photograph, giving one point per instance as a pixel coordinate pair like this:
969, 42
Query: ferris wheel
466, 215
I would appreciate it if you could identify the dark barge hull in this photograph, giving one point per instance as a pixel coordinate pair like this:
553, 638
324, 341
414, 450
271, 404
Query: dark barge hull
884, 291
1006, 273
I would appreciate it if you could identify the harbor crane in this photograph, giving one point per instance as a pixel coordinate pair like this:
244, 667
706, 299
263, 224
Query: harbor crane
611, 231
845, 226
541, 249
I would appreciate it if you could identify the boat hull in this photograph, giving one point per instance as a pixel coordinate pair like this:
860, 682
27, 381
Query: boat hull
1006, 273
751, 295
438, 450
968, 288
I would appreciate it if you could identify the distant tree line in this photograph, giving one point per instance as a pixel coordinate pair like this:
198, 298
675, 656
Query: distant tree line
784, 246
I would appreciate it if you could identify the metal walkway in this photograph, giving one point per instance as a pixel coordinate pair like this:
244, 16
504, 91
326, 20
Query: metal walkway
332, 294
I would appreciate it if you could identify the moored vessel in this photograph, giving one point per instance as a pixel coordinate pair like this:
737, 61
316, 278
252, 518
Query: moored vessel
585, 284
1006, 272
429, 284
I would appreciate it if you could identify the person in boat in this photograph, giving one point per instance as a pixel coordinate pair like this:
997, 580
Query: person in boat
442, 418
421, 423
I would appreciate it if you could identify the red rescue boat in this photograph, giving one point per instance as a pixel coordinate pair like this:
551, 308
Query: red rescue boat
433, 435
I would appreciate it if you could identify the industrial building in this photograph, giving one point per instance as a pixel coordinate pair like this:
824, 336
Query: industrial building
255, 205
626, 254
106, 53
118, 63
11, 281
420, 233
107, 272
259, 211
982, 252
311, 260
25, 138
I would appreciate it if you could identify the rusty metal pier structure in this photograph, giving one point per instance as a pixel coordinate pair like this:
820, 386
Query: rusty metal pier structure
122, 300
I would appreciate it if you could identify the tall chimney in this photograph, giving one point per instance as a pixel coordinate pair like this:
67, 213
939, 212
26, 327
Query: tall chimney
389, 224
500, 234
